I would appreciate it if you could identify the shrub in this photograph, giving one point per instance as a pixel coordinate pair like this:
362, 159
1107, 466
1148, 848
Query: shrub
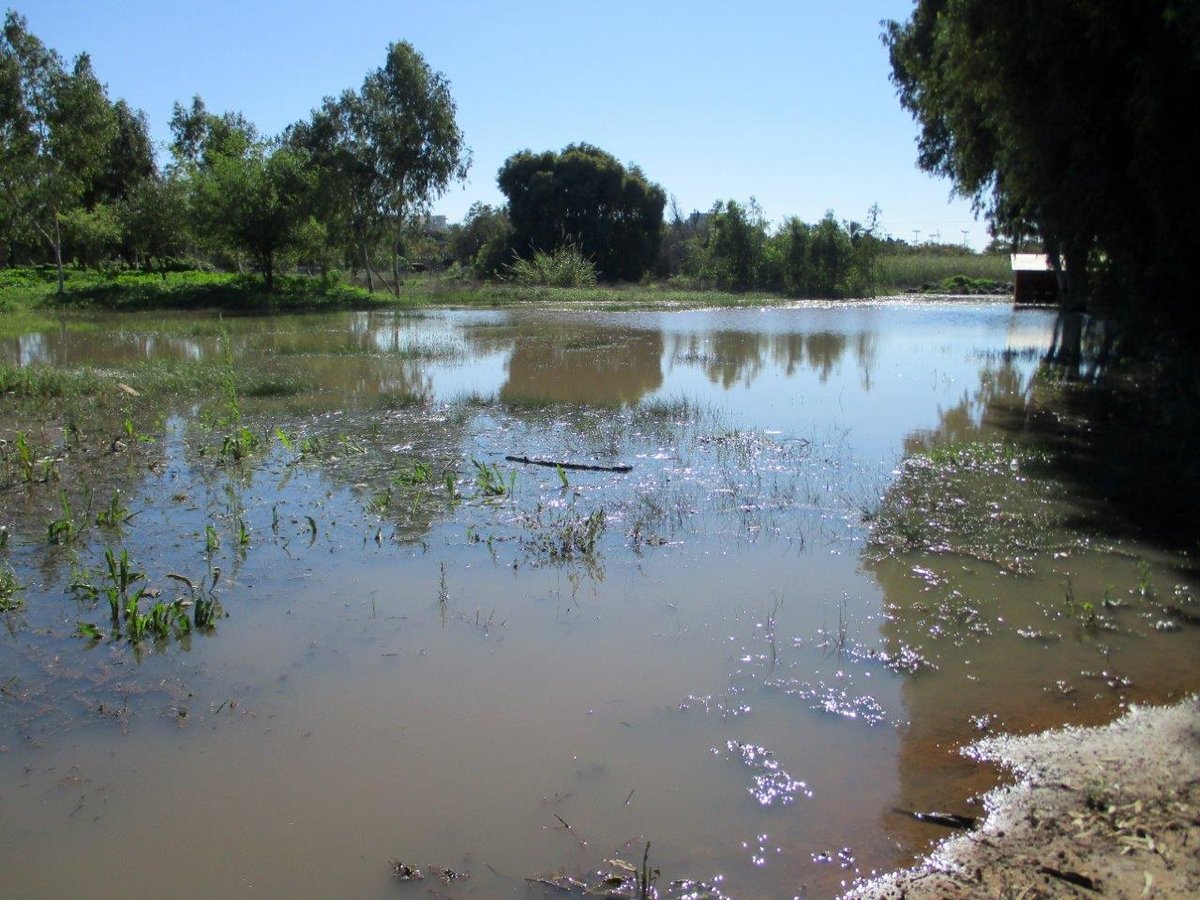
565, 267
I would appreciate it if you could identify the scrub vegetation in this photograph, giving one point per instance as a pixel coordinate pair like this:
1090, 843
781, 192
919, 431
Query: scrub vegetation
335, 209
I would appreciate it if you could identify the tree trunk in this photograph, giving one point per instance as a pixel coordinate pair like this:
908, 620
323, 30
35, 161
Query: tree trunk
62, 288
367, 263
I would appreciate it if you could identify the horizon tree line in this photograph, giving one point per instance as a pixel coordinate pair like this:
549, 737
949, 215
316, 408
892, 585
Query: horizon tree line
351, 187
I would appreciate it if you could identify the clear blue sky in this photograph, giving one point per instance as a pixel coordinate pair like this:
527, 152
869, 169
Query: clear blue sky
788, 102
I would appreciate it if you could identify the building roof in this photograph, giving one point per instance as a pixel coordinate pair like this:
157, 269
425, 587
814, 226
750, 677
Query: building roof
1030, 262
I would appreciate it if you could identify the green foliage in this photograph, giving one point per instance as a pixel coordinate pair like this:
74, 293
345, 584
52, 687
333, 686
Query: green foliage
56, 143
259, 201
483, 243
490, 480
164, 618
200, 137
381, 154
94, 234
115, 514
732, 248
733, 253
565, 266
63, 529
10, 597
417, 473
154, 216
902, 271
239, 445
1066, 121
584, 196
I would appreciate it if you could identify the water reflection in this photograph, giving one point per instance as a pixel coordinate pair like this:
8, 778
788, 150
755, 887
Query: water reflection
584, 364
730, 358
1020, 607
383, 619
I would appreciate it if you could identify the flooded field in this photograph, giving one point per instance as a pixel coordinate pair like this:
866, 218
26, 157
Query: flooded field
291, 609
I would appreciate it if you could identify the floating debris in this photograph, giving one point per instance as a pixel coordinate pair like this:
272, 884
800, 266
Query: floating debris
402, 871
945, 820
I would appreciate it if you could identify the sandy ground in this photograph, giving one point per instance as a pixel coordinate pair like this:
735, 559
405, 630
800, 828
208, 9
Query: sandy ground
1095, 812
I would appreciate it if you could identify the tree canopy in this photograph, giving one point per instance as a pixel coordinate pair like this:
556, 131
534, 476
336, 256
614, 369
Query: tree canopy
1068, 122
384, 152
57, 131
584, 196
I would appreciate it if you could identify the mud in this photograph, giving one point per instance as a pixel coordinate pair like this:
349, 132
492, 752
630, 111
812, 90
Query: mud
1112, 811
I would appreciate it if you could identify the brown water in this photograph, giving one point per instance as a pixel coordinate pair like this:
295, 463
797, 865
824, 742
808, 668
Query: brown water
734, 672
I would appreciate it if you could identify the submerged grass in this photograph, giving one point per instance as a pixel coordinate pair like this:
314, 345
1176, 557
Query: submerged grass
142, 379
10, 590
983, 499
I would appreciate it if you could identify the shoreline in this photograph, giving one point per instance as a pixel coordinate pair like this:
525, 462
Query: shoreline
1111, 810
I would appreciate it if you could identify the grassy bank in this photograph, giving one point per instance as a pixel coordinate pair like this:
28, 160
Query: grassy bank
32, 291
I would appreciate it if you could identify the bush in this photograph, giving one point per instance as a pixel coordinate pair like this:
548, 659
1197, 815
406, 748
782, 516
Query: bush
565, 267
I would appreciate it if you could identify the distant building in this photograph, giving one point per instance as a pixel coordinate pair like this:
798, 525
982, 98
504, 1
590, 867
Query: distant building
437, 224
1034, 279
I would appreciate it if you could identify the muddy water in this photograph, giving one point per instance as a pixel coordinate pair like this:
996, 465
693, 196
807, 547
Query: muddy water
433, 654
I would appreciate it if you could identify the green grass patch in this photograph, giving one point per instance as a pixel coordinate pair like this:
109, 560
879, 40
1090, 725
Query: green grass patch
941, 272
30, 292
36, 289
156, 378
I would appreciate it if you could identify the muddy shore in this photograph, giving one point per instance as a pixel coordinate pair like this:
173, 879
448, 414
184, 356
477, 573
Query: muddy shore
1111, 811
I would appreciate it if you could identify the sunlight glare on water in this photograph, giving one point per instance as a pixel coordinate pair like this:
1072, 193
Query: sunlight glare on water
436, 655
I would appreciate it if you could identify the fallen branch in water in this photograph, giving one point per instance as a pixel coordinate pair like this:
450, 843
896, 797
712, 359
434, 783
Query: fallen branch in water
946, 820
570, 467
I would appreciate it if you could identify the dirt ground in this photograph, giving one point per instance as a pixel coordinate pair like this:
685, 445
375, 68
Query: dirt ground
1108, 812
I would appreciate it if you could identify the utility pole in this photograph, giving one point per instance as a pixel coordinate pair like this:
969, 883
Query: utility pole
916, 236
964, 234
937, 236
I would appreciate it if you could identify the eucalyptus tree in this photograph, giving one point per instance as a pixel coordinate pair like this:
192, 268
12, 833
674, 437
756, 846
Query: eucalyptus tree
199, 136
1068, 121
584, 196
128, 159
385, 152
56, 130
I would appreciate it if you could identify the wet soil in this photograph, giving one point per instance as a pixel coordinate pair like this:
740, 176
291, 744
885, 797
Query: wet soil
1112, 811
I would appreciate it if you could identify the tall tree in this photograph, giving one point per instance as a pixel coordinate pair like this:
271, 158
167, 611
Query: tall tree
128, 159
198, 136
56, 128
1068, 121
385, 152
584, 196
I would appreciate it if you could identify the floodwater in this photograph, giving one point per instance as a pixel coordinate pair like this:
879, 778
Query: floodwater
748, 651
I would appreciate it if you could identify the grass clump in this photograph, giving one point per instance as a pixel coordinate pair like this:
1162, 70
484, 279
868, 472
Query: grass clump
566, 266
567, 536
10, 588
